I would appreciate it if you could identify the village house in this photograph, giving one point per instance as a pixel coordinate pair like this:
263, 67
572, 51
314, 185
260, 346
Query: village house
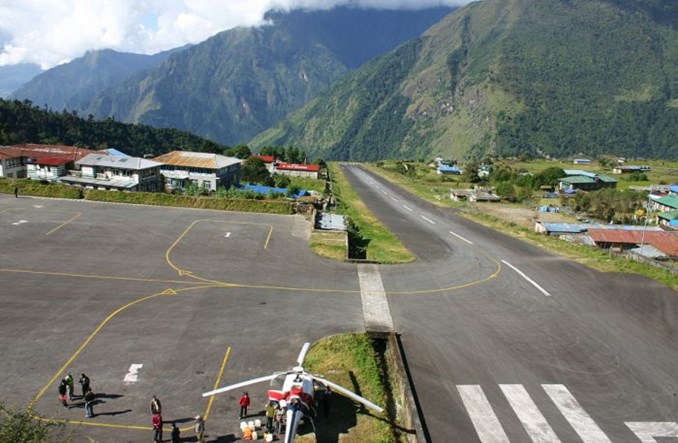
585, 181
40, 162
205, 170
631, 169
116, 172
296, 170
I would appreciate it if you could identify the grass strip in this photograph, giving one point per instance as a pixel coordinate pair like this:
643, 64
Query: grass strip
367, 233
350, 361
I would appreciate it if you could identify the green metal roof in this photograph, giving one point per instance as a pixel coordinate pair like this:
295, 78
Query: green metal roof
577, 179
669, 200
670, 215
607, 179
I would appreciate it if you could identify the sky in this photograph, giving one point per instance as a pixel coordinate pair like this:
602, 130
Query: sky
52, 32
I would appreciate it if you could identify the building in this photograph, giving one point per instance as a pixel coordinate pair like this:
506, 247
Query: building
448, 170
667, 203
668, 219
623, 240
673, 190
631, 169
269, 162
295, 170
581, 161
116, 172
40, 162
12, 163
585, 181
205, 170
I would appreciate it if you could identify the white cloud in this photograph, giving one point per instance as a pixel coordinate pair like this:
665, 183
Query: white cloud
50, 32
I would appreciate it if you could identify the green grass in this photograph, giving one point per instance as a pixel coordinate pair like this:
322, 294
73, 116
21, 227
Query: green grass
329, 244
379, 243
350, 360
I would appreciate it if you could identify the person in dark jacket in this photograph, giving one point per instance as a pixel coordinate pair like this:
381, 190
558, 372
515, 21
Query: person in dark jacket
84, 383
89, 403
176, 433
62, 392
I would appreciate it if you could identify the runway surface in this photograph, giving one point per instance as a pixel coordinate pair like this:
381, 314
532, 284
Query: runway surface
505, 342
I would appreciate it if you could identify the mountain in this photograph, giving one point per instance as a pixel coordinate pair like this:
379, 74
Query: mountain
508, 77
241, 81
67, 86
12, 77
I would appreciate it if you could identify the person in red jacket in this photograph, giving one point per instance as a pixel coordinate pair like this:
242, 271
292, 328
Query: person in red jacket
156, 421
244, 403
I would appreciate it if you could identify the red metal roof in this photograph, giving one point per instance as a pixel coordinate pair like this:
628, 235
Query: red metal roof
36, 151
667, 242
265, 158
51, 161
295, 167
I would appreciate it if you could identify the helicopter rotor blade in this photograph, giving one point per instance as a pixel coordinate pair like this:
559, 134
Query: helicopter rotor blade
349, 394
302, 354
239, 385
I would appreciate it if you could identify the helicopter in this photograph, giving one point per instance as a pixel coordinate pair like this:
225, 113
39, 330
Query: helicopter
296, 395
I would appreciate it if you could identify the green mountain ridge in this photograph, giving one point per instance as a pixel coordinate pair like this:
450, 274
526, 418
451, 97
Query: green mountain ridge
241, 81
508, 77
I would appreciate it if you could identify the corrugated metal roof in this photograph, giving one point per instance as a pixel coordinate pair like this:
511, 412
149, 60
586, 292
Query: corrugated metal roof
667, 242
577, 179
113, 161
669, 200
197, 160
670, 215
50, 161
579, 172
296, 167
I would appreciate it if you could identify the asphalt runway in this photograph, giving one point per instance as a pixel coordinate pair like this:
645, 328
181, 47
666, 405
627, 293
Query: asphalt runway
524, 345
148, 300
505, 342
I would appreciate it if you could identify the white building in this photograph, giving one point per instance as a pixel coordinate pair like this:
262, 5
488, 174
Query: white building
109, 172
208, 171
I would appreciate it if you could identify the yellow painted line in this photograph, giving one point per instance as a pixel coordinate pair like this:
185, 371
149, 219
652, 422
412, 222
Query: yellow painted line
461, 286
184, 272
216, 383
90, 423
77, 214
64, 223
87, 341
97, 277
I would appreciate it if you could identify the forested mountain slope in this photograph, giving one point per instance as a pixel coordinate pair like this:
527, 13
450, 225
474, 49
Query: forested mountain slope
507, 77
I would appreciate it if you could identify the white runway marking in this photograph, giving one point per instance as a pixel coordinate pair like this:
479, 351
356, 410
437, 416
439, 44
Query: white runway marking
428, 219
133, 374
533, 421
20, 222
228, 234
461, 238
580, 420
647, 431
408, 208
375, 305
522, 274
37, 206
394, 199
385, 193
484, 420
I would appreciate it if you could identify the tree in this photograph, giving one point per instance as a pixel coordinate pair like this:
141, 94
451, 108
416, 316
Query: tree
23, 426
254, 170
471, 172
281, 181
506, 190
241, 151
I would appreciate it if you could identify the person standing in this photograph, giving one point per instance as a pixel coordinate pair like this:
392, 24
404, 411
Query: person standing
200, 429
156, 407
244, 403
84, 384
89, 403
16, 191
175, 433
156, 421
62, 392
270, 414
327, 401
69, 386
